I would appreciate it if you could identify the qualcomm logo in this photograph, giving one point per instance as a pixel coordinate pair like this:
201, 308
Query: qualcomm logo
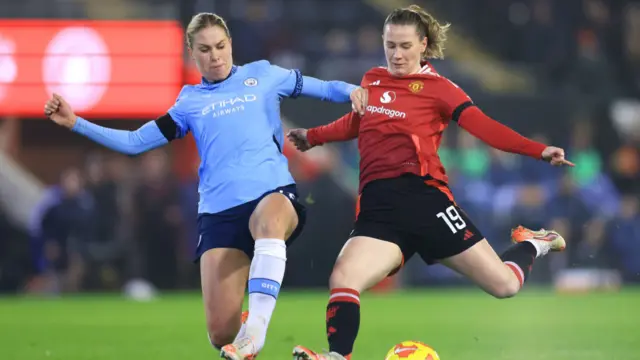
228, 106
7, 64
388, 97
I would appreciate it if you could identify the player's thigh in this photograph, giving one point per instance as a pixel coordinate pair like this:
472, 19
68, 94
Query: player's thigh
481, 264
363, 262
275, 216
224, 273
451, 237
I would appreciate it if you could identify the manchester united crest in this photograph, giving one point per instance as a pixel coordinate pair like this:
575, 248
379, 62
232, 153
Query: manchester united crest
416, 86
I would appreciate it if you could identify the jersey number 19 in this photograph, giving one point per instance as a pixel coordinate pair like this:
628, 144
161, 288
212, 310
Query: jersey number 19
452, 217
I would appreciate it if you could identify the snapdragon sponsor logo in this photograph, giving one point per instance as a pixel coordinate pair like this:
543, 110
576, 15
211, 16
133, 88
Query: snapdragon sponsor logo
385, 111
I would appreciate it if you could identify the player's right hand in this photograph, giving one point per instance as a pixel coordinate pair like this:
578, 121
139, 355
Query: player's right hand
60, 112
555, 156
299, 138
359, 99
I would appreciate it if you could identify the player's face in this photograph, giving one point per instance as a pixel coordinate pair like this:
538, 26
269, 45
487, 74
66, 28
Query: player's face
403, 49
212, 53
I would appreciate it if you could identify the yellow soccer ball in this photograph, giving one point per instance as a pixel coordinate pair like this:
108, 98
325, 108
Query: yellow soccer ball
412, 350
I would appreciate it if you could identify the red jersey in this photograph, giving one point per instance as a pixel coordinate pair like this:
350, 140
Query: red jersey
404, 121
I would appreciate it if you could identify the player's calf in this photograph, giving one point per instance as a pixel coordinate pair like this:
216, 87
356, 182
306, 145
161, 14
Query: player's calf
218, 341
218, 336
223, 272
483, 266
362, 263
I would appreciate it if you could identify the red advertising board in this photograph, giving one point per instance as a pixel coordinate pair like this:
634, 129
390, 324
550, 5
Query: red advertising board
105, 69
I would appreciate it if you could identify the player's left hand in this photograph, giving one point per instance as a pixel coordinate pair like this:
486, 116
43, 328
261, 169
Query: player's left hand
555, 156
359, 98
299, 138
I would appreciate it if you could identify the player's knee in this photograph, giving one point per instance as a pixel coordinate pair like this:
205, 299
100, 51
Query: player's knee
505, 289
341, 277
271, 227
219, 336
275, 218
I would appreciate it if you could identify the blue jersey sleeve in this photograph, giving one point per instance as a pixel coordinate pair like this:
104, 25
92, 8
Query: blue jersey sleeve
151, 135
179, 115
145, 138
291, 83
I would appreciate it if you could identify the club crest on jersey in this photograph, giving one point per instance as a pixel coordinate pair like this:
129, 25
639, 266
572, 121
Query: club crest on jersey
251, 82
416, 86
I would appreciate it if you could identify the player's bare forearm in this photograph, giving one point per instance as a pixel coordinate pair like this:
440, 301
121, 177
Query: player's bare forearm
497, 135
344, 129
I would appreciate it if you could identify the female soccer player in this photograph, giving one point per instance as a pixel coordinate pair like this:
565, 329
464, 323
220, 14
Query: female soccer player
246, 190
405, 206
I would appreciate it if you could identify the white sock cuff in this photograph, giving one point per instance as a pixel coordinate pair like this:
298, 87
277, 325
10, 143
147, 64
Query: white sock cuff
537, 246
271, 247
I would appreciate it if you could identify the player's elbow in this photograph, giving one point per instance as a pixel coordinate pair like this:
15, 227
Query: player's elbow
131, 151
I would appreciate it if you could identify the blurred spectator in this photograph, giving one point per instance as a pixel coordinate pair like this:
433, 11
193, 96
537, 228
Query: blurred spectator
626, 168
253, 25
569, 215
338, 57
369, 50
104, 192
624, 232
632, 46
592, 73
158, 226
62, 232
583, 152
531, 208
473, 160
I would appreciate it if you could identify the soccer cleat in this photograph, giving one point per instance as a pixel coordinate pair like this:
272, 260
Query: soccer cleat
543, 240
302, 353
242, 349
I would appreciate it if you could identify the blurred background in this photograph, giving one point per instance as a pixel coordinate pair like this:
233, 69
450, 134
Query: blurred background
80, 225
75, 217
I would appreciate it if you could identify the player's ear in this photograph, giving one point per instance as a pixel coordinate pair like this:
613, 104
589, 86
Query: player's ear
423, 44
190, 50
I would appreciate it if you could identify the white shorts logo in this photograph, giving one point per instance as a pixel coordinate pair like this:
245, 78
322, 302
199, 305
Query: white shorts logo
388, 97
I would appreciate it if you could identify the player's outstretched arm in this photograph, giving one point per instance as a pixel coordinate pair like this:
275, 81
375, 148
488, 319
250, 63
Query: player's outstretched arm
343, 129
457, 106
147, 137
506, 139
295, 84
336, 91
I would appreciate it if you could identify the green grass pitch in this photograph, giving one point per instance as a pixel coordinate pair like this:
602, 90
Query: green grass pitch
459, 324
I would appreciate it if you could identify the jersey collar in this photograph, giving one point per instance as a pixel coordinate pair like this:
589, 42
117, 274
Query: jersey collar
208, 83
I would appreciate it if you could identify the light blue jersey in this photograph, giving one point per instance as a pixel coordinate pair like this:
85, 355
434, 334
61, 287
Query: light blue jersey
237, 128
